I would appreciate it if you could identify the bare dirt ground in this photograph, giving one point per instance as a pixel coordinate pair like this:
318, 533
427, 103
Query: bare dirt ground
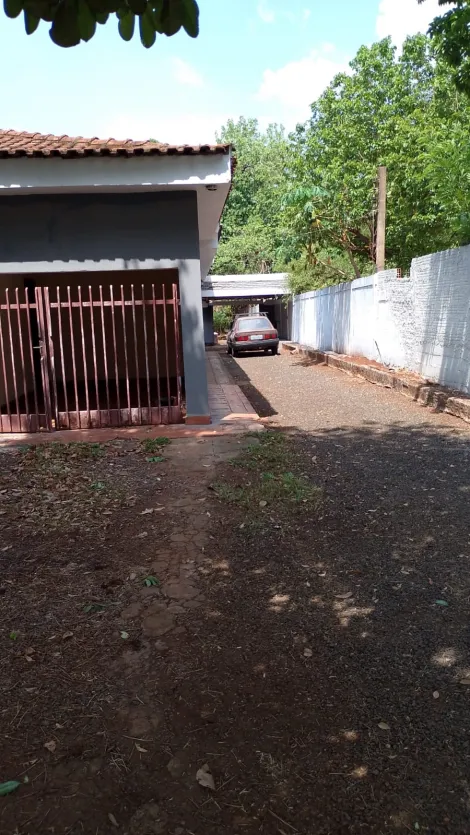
267, 634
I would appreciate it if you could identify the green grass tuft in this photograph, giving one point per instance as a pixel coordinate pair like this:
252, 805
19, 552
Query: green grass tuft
267, 472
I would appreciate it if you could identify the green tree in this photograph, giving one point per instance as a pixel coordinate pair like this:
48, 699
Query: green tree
451, 33
223, 315
250, 249
391, 111
323, 270
73, 21
251, 225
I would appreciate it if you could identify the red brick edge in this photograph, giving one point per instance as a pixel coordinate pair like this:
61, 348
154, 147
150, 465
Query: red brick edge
425, 393
197, 420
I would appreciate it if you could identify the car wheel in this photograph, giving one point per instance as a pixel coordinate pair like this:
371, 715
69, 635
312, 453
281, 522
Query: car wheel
266, 351
275, 351
229, 350
235, 352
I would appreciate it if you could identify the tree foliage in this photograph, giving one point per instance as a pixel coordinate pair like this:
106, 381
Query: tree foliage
451, 33
251, 226
308, 201
387, 111
248, 249
223, 315
73, 21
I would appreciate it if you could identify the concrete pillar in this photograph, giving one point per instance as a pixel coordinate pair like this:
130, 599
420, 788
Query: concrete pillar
194, 357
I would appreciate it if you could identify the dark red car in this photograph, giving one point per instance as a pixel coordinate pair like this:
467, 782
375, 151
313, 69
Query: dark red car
252, 333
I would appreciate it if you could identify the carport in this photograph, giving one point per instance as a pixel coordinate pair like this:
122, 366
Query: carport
263, 292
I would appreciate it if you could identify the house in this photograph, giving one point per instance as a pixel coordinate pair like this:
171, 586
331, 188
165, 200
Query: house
103, 246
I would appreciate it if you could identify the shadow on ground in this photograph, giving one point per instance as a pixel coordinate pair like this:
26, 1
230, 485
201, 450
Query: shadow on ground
261, 405
333, 670
313, 658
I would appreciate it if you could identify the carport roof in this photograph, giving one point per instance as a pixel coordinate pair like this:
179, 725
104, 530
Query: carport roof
259, 285
20, 144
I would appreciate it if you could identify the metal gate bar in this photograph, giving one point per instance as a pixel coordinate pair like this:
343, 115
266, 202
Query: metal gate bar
105, 355
141, 391
31, 357
76, 390
95, 366
62, 361
147, 373
23, 407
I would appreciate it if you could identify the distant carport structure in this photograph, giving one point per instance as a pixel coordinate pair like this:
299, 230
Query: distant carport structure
258, 293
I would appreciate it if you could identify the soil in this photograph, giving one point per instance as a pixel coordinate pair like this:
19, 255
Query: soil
279, 646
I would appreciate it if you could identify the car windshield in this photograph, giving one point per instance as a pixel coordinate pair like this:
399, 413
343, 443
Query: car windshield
257, 323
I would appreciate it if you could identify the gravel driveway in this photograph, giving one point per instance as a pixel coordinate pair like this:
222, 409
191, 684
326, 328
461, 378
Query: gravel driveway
386, 567
265, 635
294, 392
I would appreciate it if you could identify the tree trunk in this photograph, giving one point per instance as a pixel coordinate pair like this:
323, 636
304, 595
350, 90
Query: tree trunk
356, 269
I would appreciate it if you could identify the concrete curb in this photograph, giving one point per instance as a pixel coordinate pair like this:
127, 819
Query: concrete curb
409, 385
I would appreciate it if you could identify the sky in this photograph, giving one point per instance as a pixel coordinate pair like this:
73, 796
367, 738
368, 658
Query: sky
268, 59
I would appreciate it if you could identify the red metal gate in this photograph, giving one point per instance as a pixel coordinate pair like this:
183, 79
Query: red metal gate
86, 357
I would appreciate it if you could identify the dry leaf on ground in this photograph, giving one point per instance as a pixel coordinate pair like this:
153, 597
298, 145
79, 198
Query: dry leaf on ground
205, 778
51, 746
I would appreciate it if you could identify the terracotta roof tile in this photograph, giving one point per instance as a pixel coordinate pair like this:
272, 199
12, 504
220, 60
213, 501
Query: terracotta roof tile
19, 144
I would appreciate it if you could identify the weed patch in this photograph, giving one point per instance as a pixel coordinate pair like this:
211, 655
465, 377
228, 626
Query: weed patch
265, 475
151, 446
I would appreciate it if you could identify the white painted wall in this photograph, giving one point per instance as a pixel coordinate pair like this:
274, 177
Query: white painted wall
441, 302
421, 323
346, 318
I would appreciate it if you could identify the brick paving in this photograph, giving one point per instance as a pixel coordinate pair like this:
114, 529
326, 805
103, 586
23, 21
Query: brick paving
226, 399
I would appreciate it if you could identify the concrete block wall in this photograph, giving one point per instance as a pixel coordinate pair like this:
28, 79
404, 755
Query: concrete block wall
342, 318
420, 323
441, 290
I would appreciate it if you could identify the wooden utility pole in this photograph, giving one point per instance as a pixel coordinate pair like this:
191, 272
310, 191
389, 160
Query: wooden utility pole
381, 218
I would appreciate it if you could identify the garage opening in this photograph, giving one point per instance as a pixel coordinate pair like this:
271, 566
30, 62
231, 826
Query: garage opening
79, 355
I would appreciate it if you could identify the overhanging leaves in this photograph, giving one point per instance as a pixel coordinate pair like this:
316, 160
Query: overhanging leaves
137, 7
86, 21
75, 20
31, 22
147, 29
127, 26
171, 17
65, 29
13, 8
191, 19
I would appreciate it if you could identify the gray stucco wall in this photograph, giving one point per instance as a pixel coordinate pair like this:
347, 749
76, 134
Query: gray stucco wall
101, 227
61, 233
